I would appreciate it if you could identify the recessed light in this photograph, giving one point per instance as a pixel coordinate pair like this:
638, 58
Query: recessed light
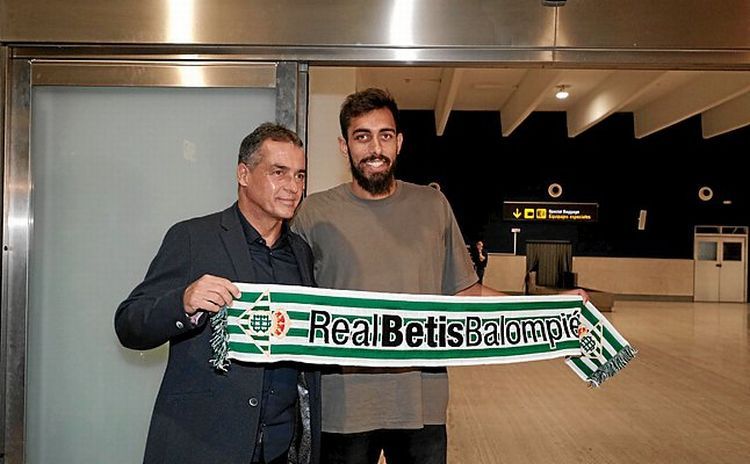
562, 92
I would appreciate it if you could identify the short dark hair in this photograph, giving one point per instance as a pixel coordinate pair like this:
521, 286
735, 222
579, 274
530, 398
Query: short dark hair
363, 102
250, 146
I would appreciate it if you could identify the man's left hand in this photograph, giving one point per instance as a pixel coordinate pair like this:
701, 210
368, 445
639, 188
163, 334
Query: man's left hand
577, 291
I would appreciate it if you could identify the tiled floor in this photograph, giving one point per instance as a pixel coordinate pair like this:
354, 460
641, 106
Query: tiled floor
684, 399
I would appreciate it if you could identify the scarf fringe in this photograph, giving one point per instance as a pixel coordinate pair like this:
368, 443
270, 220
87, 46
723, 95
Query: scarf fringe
613, 366
220, 341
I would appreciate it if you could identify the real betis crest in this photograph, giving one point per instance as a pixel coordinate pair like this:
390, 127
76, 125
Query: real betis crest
591, 341
259, 322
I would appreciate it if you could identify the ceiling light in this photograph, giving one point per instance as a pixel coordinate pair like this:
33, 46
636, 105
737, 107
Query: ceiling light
562, 92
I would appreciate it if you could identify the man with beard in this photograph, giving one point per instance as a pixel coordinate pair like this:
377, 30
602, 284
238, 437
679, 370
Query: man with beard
381, 234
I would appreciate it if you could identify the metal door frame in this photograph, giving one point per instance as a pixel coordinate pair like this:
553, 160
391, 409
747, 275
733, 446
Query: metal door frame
19, 76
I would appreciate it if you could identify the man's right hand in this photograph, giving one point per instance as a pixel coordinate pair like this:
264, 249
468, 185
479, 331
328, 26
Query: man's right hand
209, 293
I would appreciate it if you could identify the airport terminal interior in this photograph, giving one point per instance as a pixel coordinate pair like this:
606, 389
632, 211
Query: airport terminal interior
596, 145
684, 398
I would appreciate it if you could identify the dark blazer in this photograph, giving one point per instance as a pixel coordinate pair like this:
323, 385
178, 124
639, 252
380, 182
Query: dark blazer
201, 416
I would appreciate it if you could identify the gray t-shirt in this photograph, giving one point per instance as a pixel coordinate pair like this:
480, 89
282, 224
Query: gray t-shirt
408, 242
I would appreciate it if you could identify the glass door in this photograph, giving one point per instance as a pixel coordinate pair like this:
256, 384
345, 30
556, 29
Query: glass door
732, 278
110, 165
707, 269
721, 265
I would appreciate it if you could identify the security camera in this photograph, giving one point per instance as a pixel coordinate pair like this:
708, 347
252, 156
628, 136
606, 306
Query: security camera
553, 2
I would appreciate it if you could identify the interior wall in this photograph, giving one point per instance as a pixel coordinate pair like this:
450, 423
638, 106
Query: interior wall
326, 166
505, 272
620, 276
636, 276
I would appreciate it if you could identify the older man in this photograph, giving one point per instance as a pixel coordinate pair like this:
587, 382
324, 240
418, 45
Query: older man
252, 413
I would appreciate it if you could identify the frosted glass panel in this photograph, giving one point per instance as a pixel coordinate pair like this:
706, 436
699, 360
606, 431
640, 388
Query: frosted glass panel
113, 168
707, 251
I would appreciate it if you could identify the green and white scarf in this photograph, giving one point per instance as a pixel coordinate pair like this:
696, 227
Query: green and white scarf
271, 323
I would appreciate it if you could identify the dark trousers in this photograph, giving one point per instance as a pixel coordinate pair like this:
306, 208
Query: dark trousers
401, 446
283, 459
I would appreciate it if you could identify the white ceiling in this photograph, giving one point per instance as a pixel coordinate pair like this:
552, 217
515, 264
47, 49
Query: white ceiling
658, 99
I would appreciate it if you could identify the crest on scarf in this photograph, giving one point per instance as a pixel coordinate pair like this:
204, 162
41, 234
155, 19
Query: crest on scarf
260, 322
591, 341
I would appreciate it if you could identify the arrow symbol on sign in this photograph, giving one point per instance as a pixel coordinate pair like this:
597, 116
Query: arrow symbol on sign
517, 213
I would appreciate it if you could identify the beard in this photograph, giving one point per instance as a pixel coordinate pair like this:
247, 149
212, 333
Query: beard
377, 184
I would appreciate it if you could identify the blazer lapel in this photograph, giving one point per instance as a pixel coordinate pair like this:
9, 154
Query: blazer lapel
236, 245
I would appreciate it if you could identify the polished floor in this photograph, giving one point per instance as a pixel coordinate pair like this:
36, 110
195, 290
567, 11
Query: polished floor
684, 399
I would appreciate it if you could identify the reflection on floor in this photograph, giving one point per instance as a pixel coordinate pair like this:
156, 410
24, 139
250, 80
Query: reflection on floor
685, 398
